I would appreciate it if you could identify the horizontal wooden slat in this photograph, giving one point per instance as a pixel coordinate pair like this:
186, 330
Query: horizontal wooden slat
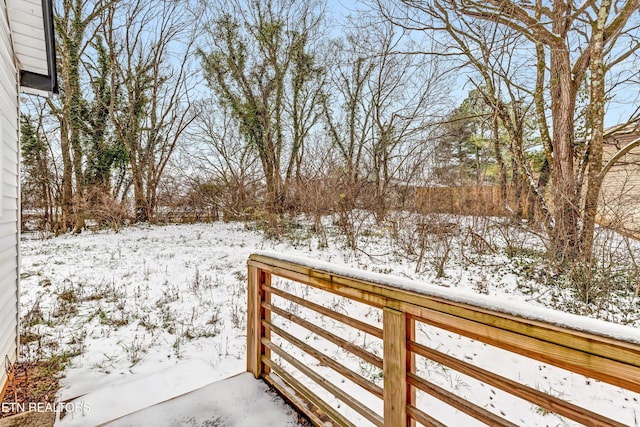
341, 342
365, 327
300, 403
628, 353
327, 385
320, 283
423, 418
552, 403
458, 402
292, 382
326, 360
600, 368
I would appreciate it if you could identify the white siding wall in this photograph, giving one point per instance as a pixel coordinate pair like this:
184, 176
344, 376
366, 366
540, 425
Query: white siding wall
9, 194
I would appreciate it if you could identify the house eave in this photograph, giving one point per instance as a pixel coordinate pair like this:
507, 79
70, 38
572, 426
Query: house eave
32, 27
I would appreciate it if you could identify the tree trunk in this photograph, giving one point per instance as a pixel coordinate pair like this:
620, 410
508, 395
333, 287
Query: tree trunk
596, 113
140, 204
565, 207
76, 149
67, 178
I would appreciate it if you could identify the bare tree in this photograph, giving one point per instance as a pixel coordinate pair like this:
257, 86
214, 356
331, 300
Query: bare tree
224, 160
37, 177
388, 102
259, 65
76, 26
150, 43
577, 49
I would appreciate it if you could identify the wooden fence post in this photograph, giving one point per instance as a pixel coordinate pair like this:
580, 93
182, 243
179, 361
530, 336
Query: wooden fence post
395, 367
255, 314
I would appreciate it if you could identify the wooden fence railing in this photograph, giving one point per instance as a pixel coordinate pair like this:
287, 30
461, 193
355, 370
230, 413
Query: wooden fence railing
275, 322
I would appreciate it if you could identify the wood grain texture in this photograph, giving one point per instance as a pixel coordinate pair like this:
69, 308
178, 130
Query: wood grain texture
536, 397
395, 368
365, 327
253, 323
422, 306
300, 403
328, 361
292, 382
327, 385
340, 342
423, 418
459, 403
603, 358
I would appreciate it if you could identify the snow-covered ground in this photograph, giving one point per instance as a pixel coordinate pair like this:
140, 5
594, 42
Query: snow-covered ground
182, 395
139, 301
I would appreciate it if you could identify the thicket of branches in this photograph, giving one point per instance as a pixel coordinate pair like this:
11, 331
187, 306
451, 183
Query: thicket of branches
104, 144
279, 108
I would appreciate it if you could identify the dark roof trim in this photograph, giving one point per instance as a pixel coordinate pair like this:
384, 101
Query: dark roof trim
50, 40
37, 81
48, 83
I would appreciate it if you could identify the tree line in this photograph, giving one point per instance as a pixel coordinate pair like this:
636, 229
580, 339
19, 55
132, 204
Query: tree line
265, 109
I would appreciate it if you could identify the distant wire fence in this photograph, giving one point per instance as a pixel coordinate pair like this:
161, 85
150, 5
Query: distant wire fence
349, 348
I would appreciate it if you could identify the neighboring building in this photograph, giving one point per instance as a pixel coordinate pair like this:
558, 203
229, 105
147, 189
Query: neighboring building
27, 64
619, 206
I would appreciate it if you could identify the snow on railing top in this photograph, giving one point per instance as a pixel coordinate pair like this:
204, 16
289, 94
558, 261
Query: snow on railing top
496, 304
